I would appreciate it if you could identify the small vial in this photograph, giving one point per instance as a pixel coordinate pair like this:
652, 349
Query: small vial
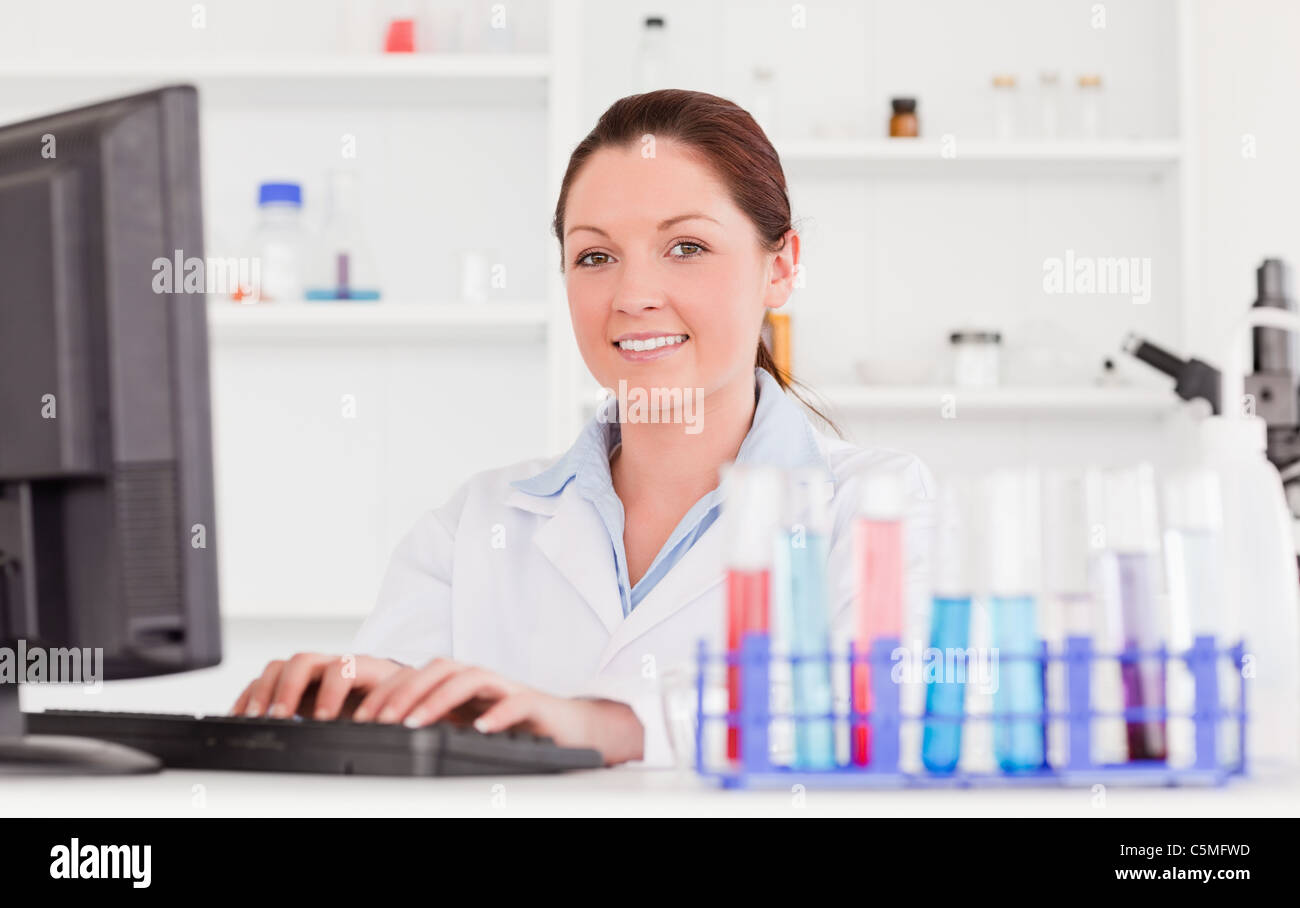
1090, 105
903, 124
1004, 107
653, 53
1049, 101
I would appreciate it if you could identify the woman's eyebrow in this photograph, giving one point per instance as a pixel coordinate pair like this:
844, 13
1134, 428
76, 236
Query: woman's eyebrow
663, 225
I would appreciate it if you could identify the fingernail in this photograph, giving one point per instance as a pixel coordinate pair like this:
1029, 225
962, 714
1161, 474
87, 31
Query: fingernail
276, 710
483, 725
320, 713
388, 715
254, 709
414, 720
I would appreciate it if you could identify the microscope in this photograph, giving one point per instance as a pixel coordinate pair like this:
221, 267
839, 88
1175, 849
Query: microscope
1272, 387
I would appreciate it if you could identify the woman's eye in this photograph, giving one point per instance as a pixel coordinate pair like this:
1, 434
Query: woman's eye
582, 259
690, 255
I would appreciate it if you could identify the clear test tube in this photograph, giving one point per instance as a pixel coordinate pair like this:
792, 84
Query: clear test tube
1067, 606
752, 496
950, 625
1109, 744
1128, 577
1014, 532
801, 622
1194, 570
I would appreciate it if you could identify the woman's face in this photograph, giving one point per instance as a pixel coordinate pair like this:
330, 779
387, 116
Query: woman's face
655, 248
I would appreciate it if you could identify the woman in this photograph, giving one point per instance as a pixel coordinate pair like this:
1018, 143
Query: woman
551, 594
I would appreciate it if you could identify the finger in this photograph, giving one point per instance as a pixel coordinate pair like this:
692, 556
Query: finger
259, 692
376, 704
474, 682
242, 703
508, 712
405, 696
374, 700
301, 670
336, 681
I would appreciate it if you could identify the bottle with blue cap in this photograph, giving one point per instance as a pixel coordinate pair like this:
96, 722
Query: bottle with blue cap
278, 245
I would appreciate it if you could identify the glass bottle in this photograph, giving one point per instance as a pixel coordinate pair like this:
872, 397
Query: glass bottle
652, 53
277, 246
1004, 107
1049, 99
1090, 105
903, 124
343, 268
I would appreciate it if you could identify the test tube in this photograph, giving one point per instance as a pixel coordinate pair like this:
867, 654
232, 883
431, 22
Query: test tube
1067, 607
1014, 534
1193, 511
803, 617
945, 695
878, 598
1128, 572
752, 509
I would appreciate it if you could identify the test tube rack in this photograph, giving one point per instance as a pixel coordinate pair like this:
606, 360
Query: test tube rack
755, 769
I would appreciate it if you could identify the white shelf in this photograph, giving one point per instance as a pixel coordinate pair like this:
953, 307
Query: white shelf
1064, 401
865, 155
363, 322
373, 78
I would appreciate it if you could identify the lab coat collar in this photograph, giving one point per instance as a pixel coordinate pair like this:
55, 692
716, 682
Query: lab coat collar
780, 435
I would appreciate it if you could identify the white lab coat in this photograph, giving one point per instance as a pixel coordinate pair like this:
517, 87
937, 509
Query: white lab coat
525, 586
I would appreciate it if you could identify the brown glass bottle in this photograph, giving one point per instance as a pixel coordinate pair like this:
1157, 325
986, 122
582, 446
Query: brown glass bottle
903, 124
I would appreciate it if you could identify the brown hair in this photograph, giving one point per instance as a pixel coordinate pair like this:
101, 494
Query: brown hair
731, 143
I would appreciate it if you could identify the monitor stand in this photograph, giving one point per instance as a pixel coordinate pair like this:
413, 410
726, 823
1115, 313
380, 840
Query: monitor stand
24, 754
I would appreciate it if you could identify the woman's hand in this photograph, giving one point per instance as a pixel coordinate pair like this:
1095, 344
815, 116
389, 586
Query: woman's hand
313, 684
448, 689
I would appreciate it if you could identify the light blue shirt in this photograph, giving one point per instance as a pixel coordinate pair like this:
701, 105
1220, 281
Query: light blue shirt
780, 435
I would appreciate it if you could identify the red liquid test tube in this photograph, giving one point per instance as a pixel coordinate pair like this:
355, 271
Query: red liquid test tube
751, 513
878, 586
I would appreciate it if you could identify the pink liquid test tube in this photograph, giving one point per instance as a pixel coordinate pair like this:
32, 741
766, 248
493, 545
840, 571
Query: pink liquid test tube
878, 585
752, 511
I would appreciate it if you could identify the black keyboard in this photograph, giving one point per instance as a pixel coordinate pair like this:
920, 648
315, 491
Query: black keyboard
340, 747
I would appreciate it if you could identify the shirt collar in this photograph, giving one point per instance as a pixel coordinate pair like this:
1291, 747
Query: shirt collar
780, 435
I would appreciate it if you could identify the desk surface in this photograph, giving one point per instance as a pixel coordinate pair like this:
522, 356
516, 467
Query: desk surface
623, 791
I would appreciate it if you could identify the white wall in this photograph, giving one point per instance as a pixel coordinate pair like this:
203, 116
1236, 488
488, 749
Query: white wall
1250, 73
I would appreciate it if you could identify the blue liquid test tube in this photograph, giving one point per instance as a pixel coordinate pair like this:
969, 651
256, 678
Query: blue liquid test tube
945, 695
945, 698
1013, 508
808, 521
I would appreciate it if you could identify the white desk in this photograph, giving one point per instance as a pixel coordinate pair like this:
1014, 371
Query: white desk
621, 792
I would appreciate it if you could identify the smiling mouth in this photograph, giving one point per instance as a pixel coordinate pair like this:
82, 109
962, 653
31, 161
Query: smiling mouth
652, 343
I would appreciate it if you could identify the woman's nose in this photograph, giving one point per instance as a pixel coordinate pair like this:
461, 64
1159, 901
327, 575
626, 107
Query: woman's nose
637, 290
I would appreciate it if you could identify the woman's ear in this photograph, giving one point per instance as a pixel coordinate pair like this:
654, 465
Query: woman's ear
783, 270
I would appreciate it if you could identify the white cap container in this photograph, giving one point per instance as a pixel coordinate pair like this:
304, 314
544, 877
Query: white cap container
953, 553
752, 510
1014, 531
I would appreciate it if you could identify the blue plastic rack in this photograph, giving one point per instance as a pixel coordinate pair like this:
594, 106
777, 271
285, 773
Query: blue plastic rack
755, 769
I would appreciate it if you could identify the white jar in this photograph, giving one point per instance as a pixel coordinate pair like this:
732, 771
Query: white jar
975, 358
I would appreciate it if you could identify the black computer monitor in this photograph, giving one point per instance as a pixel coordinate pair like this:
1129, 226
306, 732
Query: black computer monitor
107, 534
